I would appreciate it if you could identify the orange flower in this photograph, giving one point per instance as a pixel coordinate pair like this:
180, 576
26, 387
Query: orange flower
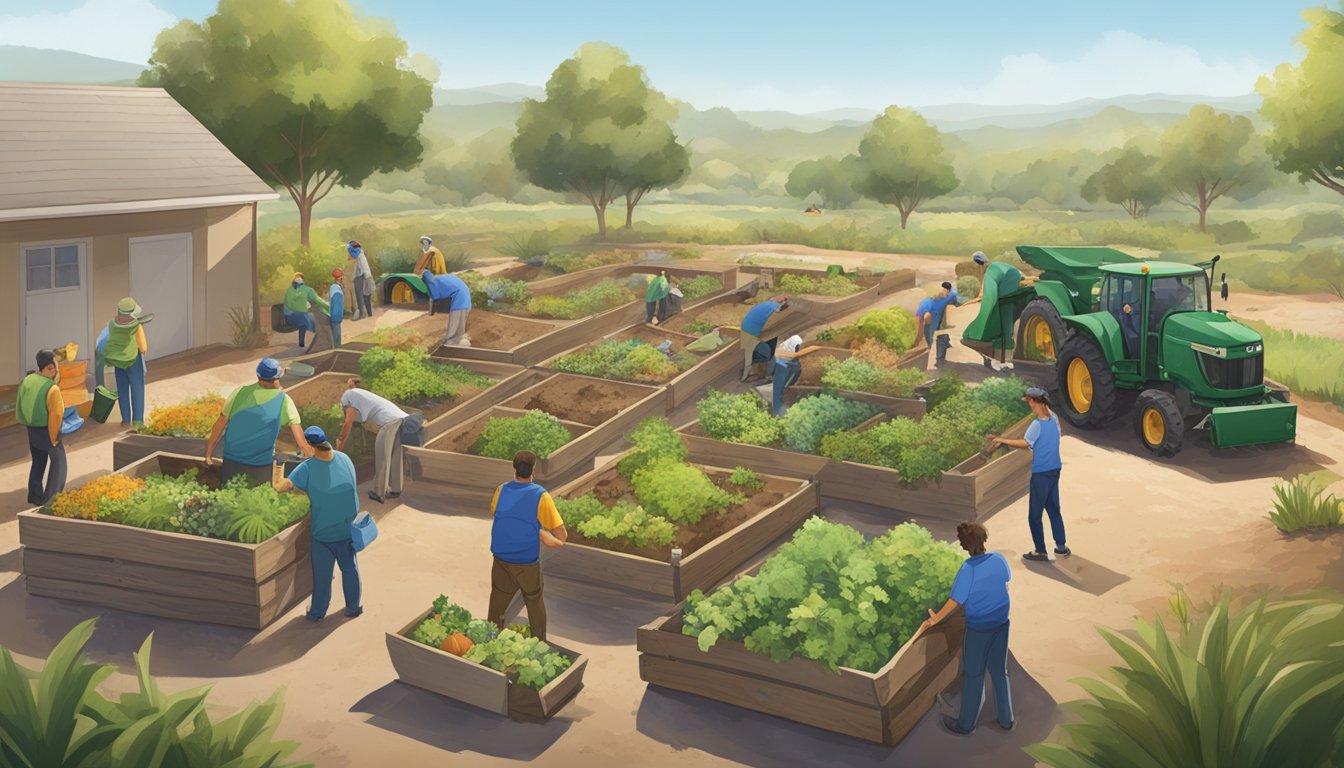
193, 418
89, 501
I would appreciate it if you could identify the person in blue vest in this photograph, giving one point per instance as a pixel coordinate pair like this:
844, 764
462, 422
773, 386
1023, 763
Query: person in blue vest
754, 326
39, 408
457, 293
336, 300
249, 423
329, 480
525, 518
125, 352
981, 588
1042, 439
929, 317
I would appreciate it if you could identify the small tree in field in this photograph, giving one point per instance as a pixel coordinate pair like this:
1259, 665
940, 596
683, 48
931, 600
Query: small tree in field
902, 162
1211, 154
306, 92
1306, 105
830, 178
1129, 181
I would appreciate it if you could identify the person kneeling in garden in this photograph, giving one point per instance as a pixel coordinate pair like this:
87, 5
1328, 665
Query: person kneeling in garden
329, 480
525, 518
981, 587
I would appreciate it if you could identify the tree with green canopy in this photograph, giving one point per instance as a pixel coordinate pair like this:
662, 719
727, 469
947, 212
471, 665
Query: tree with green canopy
902, 162
308, 93
1305, 104
830, 178
601, 132
1211, 154
1130, 181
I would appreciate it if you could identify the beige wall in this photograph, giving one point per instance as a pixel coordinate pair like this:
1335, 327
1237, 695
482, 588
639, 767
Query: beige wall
222, 265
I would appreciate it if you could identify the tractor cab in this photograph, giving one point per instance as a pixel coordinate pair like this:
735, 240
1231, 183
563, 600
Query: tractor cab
1141, 297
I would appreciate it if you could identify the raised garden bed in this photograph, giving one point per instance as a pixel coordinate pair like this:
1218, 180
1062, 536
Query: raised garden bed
595, 411
700, 556
824, 308
454, 677
160, 573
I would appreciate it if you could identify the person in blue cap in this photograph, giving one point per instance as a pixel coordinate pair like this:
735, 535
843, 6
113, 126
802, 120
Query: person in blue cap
930, 316
359, 267
457, 293
1042, 439
249, 423
329, 480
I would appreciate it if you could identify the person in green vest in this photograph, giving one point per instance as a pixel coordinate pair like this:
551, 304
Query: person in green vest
125, 352
249, 423
299, 298
40, 407
656, 299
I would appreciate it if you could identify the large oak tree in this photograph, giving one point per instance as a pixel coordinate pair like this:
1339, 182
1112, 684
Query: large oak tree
1305, 103
1211, 154
1130, 181
902, 162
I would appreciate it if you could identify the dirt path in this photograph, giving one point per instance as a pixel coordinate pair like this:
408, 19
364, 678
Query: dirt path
1318, 314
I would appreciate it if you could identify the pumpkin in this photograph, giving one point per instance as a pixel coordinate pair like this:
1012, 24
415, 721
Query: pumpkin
457, 644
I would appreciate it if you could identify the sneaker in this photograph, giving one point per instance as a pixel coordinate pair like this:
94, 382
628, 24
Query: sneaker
1036, 557
1063, 552
950, 723
1007, 727
375, 497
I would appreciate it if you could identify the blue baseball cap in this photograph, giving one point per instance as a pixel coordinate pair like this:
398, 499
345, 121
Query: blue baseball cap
315, 437
979, 257
1037, 393
268, 369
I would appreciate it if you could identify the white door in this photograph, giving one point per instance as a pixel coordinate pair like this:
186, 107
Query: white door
55, 295
161, 283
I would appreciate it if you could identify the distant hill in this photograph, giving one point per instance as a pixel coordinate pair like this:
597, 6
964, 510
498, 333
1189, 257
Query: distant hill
486, 94
958, 117
42, 65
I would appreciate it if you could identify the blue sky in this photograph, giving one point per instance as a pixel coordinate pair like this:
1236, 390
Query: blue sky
800, 56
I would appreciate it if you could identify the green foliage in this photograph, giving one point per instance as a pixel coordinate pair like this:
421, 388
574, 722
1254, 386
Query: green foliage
830, 596
902, 162
253, 515
824, 285
409, 376
56, 718
430, 632
944, 388
1132, 181
740, 418
968, 287
679, 492
811, 418
1305, 107
827, 334
653, 440
1311, 366
527, 661
700, 285
526, 246
892, 326
331, 419
535, 431
599, 297
856, 374
244, 331
1251, 687
1210, 155
158, 504
746, 478
1302, 503
486, 290
623, 521
830, 178
632, 360
700, 327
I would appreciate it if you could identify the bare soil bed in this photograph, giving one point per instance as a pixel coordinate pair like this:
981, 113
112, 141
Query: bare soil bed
613, 486
576, 398
490, 330
727, 317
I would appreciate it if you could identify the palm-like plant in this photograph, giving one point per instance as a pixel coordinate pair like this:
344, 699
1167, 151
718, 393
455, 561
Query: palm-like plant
1303, 503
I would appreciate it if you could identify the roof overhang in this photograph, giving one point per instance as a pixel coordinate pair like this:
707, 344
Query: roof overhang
134, 206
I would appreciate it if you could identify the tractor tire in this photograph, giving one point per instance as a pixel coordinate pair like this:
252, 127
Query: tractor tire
1085, 383
1040, 332
1158, 422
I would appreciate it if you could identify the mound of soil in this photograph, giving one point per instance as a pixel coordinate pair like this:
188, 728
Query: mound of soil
574, 398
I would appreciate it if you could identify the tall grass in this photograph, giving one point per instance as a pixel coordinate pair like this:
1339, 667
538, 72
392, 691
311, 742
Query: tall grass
1312, 366
1303, 503
526, 246
1263, 686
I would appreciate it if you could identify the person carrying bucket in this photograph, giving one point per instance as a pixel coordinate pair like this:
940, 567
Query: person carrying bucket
125, 352
249, 423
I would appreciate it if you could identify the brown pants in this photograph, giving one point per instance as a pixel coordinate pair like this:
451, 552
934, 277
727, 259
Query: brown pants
506, 580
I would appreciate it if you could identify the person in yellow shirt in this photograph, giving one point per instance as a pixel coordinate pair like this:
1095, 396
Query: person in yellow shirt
40, 408
525, 519
125, 351
430, 258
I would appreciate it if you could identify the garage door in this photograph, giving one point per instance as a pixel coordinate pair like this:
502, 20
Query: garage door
161, 282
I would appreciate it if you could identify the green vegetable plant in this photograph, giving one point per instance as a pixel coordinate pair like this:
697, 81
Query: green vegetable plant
812, 418
746, 478
632, 360
535, 431
700, 285
679, 492
599, 297
527, 661
409, 376
700, 327
855, 374
828, 285
623, 521
739, 418
893, 327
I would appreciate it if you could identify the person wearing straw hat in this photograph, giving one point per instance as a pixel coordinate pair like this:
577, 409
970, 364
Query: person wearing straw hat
39, 407
299, 299
336, 300
249, 424
430, 258
125, 352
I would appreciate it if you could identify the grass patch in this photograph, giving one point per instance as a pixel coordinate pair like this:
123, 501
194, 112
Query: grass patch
1302, 503
1311, 366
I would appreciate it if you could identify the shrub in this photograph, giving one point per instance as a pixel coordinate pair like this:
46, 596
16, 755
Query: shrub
859, 375
653, 440
632, 360
812, 418
535, 431
1254, 687
746, 478
700, 285
244, 331
945, 387
624, 521
409, 376
525, 246
679, 492
193, 418
1235, 231
826, 285
968, 287
740, 418
1302, 503
893, 327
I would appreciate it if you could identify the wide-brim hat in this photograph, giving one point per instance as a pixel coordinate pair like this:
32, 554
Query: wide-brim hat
127, 306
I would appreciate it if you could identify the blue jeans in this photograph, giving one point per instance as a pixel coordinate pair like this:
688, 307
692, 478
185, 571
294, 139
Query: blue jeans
1044, 497
786, 373
131, 391
335, 333
985, 650
303, 321
327, 555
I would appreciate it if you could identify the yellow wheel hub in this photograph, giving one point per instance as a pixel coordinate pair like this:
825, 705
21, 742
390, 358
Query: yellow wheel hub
1080, 386
1040, 338
402, 293
1154, 427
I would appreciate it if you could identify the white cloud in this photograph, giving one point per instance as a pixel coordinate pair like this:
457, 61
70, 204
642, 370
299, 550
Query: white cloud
123, 30
1121, 63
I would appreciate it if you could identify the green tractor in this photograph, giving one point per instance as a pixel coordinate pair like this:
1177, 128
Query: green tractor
1111, 323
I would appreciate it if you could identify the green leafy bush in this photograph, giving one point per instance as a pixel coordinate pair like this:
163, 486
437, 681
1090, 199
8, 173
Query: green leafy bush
945, 387
968, 287
532, 660
653, 440
1302, 503
746, 478
632, 360
826, 285
409, 376
331, 419
679, 492
605, 294
700, 285
623, 521
487, 289
740, 418
893, 327
535, 431
700, 327
859, 375
1254, 687
831, 596
812, 418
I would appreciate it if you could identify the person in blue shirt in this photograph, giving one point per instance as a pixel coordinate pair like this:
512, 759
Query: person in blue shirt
329, 480
753, 329
981, 589
930, 315
1042, 438
336, 298
457, 293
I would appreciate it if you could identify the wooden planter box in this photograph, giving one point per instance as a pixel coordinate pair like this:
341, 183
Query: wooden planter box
173, 575
880, 706
468, 481
825, 308
702, 569
968, 491
443, 673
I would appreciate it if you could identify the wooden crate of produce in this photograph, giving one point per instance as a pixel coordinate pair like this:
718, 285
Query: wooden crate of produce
675, 578
157, 573
879, 707
443, 673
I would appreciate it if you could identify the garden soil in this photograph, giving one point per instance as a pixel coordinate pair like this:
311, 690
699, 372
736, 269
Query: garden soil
727, 316
574, 398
